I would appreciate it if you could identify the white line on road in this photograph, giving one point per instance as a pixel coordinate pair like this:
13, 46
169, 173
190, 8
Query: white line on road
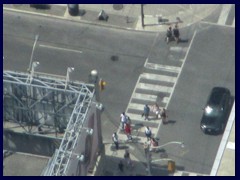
224, 14
178, 49
147, 97
233, 24
156, 77
162, 67
58, 48
153, 87
231, 145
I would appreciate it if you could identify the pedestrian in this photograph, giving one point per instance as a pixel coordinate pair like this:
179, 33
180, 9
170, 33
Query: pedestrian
176, 33
164, 116
127, 158
115, 140
146, 111
123, 119
153, 144
128, 131
156, 110
169, 35
120, 166
148, 133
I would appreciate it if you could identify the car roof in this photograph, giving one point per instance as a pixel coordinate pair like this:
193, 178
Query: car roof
217, 95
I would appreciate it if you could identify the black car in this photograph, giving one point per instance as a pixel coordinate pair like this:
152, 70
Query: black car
216, 111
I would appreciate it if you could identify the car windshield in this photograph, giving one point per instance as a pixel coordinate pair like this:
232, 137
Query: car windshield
212, 111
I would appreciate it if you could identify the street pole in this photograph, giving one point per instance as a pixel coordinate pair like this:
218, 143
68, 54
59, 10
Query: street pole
142, 16
30, 63
94, 79
156, 147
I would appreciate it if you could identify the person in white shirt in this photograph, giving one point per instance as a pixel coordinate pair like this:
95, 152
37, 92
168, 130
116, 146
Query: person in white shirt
148, 133
123, 119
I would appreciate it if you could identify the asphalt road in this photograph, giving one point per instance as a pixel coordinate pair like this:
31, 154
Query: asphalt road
63, 44
208, 64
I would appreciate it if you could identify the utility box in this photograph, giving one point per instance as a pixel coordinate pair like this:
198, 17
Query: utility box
171, 166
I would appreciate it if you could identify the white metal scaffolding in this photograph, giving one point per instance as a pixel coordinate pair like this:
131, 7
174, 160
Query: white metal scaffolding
42, 95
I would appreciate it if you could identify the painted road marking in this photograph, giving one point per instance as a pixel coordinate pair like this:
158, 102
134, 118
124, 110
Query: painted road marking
58, 48
158, 77
147, 97
178, 49
231, 145
224, 14
233, 24
136, 106
153, 87
162, 67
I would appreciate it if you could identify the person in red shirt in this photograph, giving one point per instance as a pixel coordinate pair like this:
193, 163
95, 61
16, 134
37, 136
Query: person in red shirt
128, 131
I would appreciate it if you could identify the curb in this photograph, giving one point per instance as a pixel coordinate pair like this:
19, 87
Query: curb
79, 21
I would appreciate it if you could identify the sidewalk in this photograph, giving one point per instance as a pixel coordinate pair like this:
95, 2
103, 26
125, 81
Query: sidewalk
127, 16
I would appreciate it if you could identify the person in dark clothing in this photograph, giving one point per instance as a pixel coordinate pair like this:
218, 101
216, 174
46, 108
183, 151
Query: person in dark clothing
164, 116
146, 111
115, 140
176, 33
120, 166
168, 35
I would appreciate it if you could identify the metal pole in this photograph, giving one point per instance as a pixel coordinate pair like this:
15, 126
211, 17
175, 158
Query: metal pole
30, 63
142, 15
94, 78
149, 153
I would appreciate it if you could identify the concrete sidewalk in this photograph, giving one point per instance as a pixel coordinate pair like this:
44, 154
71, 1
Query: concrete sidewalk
127, 16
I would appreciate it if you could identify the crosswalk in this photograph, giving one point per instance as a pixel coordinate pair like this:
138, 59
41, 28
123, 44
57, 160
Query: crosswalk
154, 85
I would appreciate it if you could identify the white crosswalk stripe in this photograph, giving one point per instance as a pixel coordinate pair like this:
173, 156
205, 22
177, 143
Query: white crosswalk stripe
147, 97
161, 67
158, 77
153, 87
136, 106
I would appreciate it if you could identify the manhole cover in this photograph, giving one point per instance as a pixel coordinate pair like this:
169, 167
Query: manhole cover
118, 6
114, 58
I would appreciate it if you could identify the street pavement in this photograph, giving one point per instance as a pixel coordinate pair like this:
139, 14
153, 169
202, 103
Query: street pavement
128, 17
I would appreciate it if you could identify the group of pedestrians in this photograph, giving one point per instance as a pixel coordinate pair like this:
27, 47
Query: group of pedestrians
158, 112
173, 34
125, 126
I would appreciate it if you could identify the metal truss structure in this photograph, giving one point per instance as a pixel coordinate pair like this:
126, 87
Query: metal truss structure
45, 99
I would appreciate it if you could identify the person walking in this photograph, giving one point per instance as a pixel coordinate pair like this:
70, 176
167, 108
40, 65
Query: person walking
153, 143
176, 33
115, 140
146, 111
127, 158
169, 35
120, 166
156, 110
148, 133
128, 131
164, 116
123, 119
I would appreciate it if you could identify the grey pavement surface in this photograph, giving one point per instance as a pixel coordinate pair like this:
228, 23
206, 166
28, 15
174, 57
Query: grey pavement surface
128, 16
189, 14
18, 164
